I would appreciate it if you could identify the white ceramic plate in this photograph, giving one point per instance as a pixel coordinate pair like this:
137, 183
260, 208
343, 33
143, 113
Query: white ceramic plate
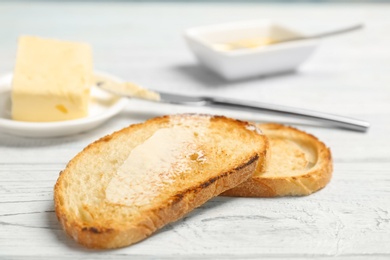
103, 106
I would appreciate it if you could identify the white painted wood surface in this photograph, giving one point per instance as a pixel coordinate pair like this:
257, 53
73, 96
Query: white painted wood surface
348, 75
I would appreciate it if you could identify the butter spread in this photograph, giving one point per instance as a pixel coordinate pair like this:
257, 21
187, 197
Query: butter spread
243, 44
253, 128
52, 80
153, 166
126, 88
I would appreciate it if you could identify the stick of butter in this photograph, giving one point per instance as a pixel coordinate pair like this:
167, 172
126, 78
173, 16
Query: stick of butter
52, 80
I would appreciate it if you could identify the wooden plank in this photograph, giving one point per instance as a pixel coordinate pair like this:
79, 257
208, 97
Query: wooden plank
317, 225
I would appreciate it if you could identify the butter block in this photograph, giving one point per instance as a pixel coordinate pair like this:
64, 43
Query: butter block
52, 80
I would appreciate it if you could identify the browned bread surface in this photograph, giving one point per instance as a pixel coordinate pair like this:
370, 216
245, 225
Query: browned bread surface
297, 164
100, 207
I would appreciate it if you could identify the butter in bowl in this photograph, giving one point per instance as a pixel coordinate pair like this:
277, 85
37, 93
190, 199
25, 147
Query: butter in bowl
247, 49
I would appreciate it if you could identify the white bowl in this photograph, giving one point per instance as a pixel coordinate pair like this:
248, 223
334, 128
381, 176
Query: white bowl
248, 62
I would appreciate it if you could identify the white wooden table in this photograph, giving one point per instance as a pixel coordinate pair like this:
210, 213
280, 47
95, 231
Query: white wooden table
348, 75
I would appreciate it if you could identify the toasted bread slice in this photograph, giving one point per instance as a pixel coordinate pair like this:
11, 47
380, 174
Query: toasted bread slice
297, 164
123, 187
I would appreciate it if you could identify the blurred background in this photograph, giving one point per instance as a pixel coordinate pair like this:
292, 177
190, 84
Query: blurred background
143, 41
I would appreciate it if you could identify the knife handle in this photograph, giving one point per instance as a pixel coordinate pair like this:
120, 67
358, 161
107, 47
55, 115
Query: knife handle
335, 120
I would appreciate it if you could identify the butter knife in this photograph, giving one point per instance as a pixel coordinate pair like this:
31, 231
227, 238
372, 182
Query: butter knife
132, 90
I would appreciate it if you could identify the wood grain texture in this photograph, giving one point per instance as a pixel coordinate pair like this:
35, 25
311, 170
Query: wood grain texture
347, 75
